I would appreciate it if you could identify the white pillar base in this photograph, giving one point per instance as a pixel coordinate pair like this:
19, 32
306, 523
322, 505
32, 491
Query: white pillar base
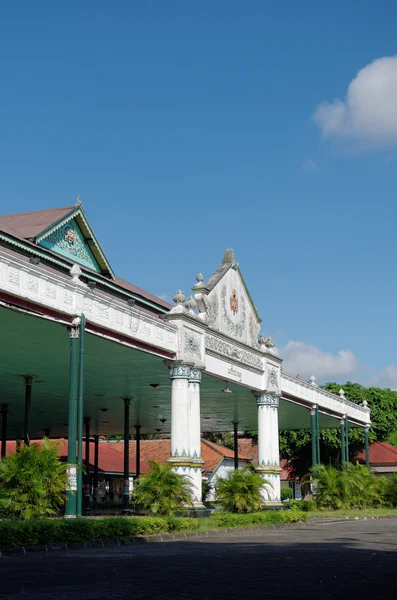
270, 492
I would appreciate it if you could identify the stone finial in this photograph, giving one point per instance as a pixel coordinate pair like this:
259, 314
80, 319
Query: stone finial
191, 304
75, 272
78, 201
199, 279
229, 257
266, 343
342, 394
179, 299
269, 343
313, 380
262, 340
365, 404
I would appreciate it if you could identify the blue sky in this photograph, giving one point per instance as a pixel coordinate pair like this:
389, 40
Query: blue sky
191, 127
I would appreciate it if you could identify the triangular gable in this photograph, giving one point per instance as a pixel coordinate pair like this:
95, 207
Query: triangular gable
228, 304
73, 238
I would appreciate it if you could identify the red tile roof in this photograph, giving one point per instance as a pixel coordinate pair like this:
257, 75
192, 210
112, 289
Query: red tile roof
160, 451
380, 453
27, 225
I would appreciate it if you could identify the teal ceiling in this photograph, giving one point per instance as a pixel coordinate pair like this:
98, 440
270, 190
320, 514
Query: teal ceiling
32, 345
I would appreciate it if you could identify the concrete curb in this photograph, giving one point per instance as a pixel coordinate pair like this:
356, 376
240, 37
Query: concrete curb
172, 537
319, 520
140, 539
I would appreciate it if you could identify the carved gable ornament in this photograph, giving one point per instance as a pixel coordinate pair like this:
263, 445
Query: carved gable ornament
225, 302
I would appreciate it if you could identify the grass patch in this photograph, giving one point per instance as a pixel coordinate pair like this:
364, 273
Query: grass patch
14, 533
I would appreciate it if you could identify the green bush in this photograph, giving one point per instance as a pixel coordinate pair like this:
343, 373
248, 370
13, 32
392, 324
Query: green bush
391, 493
286, 493
240, 491
37, 532
162, 492
33, 481
305, 505
267, 517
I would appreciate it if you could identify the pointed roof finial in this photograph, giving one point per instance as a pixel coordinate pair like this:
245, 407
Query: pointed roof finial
229, 258
78, 203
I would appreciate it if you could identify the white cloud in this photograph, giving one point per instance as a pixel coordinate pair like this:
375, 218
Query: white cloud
369, 111
310, 166
306, 360
386, 378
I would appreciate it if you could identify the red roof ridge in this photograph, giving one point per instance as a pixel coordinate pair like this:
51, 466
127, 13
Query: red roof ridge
32, 212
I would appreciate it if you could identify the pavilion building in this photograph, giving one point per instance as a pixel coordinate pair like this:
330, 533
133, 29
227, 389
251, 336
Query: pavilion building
83, 350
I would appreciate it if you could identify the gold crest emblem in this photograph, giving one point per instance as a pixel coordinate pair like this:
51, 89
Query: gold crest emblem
234, 302
69, 235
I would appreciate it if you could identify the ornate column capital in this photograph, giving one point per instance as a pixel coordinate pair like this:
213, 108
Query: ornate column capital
74, 328
367, 428
180, 371
313, 410
343, 420
263, 399
195, 375
127, 401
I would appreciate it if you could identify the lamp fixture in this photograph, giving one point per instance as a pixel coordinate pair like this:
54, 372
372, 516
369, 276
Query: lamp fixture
91, 285
131, 301
227, 390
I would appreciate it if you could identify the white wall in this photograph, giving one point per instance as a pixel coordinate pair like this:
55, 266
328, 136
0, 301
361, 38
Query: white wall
225, 467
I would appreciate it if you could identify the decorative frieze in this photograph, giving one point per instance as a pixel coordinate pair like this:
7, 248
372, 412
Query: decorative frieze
102, 311
14, 276
33, 284
68, 297
119, 317
233, 352
51, 290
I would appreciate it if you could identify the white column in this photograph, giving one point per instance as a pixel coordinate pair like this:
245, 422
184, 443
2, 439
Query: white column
195, 435
185, 426
179, 410
268, 447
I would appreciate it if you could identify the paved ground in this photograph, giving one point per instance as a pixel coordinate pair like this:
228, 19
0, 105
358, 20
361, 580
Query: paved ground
353, 559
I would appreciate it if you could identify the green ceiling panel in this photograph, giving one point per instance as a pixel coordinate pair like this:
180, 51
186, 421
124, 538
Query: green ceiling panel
32, 345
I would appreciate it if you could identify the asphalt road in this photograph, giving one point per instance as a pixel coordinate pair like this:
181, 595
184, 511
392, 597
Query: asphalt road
353, 559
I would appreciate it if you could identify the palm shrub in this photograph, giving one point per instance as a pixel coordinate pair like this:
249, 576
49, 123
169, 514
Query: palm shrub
240, 491
355, 487
161, 491
33, 481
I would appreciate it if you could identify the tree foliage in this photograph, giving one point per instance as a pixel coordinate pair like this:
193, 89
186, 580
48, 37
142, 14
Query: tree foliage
223, 438
161, 491
239, 491
33, 481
